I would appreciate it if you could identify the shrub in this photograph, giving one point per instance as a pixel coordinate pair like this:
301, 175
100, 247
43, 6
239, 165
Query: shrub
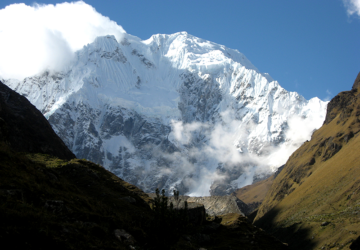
170, 223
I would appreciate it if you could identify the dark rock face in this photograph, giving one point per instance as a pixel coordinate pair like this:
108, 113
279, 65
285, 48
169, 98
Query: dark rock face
343, 103
87, 132
340, 102
25, 129
198, 98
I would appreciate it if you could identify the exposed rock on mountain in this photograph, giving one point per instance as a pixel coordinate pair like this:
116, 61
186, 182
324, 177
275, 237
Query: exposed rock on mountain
320, 183
216, 205
173, 111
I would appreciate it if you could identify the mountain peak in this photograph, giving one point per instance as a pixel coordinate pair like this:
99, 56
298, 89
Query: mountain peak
146, 109
99, 38
184, 33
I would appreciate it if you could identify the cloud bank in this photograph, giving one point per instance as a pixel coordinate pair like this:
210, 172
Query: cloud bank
44, 37
352, 7
219, 157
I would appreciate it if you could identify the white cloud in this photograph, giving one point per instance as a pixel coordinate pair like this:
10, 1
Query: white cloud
201, 186
299, 130
45, 37
220, 146
352, 7
183, 132
329, 96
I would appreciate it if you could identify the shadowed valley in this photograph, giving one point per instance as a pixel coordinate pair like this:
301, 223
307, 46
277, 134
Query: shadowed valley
51, 200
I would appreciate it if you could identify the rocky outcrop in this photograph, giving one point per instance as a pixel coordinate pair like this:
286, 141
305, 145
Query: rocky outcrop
216, 205
25, 129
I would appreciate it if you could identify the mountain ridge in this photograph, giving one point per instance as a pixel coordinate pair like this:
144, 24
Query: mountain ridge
144, 108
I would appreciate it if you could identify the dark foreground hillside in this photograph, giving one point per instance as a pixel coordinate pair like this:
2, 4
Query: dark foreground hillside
314, 202
50, 200
25, 129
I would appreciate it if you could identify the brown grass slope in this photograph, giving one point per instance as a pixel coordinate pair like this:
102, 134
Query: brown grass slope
253, 195
320, 183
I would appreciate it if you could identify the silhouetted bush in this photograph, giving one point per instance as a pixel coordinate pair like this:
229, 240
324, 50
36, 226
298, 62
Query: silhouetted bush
170, 222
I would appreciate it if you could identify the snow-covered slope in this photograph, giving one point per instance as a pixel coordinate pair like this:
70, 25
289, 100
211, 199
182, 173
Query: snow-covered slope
173, 111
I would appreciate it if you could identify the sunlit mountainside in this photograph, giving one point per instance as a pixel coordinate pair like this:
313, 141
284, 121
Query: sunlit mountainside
173, 111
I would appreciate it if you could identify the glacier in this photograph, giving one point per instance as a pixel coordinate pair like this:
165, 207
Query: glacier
173, 111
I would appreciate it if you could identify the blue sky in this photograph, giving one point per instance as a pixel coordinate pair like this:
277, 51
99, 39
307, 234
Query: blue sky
308, 46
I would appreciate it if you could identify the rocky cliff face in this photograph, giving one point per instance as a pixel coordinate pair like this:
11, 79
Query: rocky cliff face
216, 205
174, 111
316, 194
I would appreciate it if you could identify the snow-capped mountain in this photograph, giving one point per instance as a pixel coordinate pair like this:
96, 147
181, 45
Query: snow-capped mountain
173, 111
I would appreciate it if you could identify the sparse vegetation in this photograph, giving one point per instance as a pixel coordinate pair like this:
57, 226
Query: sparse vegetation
320, 183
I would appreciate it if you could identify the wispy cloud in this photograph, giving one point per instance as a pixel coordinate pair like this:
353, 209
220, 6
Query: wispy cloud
352, 7
221, 146
45, 37
329, 96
